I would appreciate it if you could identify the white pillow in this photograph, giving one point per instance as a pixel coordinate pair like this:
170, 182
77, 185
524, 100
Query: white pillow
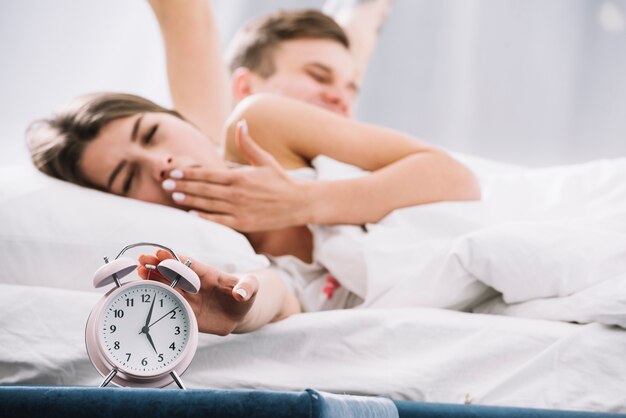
55, 234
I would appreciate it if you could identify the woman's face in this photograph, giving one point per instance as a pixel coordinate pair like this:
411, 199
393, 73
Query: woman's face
131, 156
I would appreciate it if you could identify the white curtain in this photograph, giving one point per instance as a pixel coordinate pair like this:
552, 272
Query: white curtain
527, 81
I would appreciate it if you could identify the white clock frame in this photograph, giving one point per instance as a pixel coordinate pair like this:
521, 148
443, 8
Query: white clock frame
178, 274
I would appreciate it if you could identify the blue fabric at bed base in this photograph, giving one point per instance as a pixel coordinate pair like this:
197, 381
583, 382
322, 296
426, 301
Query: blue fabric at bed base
111, 402
53, 402
411, 409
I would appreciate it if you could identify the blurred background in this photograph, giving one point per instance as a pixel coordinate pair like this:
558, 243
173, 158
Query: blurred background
534, 82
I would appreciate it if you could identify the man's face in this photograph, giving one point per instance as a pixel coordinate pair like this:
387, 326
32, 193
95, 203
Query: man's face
316, 71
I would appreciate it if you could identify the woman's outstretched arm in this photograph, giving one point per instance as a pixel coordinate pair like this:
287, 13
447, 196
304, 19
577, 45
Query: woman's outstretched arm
405, 170
198, 79
229, 303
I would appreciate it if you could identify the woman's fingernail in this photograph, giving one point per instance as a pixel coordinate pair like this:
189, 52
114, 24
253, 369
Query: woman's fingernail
243, 124
176, 174
169, 184
194, 213
242, 293
150, 266
178, 196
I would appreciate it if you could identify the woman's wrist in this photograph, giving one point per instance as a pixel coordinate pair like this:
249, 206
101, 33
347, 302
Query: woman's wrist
291, 306
273, 302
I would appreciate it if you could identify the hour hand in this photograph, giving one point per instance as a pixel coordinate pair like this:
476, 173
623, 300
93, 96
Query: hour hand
151, 342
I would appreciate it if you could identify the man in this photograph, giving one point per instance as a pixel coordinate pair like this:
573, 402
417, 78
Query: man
302, 54
306, 54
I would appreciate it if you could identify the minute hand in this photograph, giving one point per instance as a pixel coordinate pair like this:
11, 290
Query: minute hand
151, 308
173, 310
146, 327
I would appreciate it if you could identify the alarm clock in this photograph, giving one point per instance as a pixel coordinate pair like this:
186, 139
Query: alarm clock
143, 333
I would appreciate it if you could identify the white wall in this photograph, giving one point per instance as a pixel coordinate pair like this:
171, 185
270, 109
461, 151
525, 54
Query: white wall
54, 50
528, 81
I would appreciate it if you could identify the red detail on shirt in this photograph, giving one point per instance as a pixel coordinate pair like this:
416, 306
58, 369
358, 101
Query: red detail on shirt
331, 285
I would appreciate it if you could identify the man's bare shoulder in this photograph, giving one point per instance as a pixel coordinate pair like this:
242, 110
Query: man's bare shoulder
263, 113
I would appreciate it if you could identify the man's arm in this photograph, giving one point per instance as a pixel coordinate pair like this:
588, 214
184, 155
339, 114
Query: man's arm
404, 170
362, 20
290, 134
197, 74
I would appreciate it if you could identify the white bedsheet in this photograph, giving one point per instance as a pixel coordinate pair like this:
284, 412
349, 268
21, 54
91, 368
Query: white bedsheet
419, 354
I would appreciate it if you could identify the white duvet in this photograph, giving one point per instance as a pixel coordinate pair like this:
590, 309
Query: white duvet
544, 243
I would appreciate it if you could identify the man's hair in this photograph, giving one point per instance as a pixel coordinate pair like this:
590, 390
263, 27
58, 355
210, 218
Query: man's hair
57, 144
254, 45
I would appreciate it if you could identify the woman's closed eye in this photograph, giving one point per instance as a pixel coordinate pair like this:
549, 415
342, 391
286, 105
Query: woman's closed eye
150, 134
128, 183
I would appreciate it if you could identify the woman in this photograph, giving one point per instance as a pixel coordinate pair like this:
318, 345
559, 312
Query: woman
129, 146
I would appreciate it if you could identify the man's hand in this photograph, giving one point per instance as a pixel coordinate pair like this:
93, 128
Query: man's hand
362, 21
223, 301
260, 197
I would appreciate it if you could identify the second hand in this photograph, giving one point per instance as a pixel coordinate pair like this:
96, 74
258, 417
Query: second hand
173, 310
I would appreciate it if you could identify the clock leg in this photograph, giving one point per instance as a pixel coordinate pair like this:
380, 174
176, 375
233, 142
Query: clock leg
110, 376
177, 380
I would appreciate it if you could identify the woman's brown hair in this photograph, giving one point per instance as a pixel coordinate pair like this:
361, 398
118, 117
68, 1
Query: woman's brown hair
57, 144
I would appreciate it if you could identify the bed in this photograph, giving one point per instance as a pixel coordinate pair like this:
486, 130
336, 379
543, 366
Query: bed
54, 236
426, 355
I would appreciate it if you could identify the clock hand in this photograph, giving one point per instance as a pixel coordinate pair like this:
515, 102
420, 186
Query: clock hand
151, 342
146, 327
150, 312
173, 310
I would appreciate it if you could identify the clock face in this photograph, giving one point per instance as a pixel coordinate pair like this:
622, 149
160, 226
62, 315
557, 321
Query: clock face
144, 329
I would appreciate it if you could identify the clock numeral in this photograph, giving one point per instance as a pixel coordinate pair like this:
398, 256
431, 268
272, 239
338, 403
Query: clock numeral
161, 302
160, 358
173, 315
144, 361
119, 313
130, 302
128, 359
145, 298
172, 346
116, 345
112, 328
177, 330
